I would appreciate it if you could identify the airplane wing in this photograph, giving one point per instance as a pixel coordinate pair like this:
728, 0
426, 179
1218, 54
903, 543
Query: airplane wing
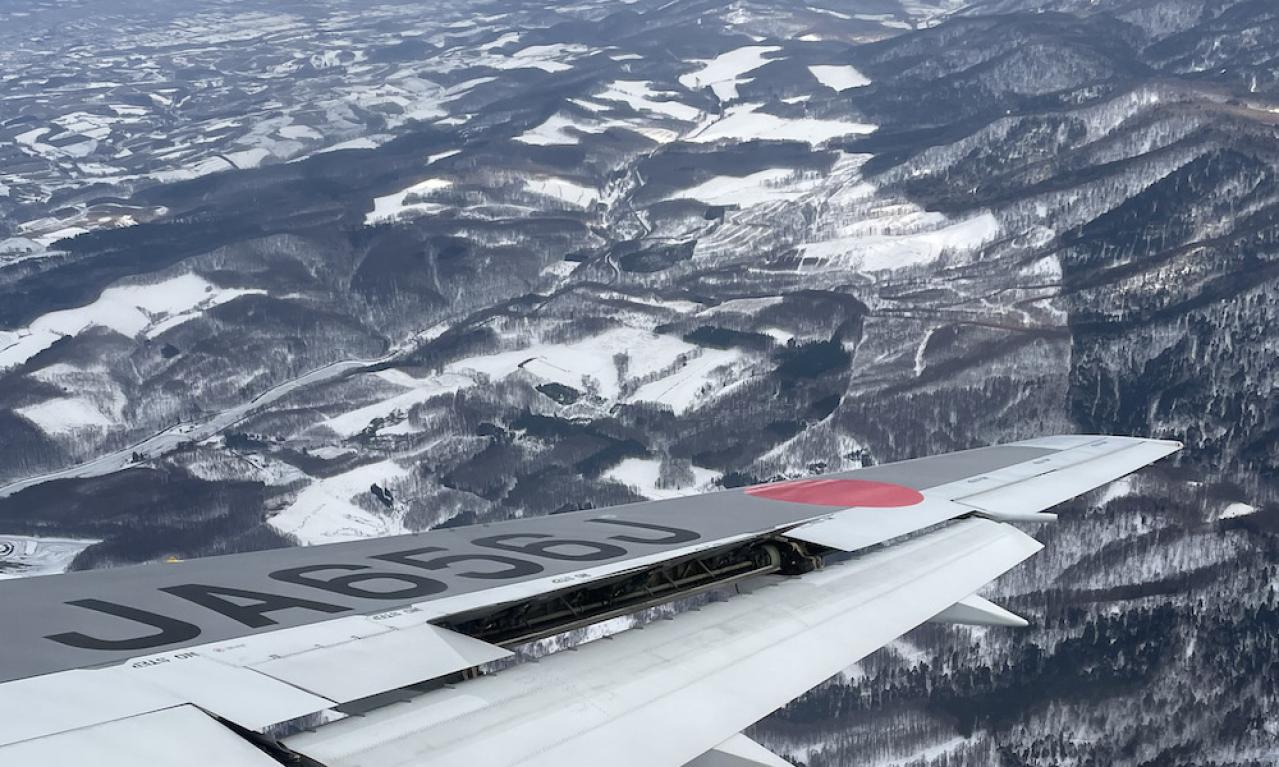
416, 649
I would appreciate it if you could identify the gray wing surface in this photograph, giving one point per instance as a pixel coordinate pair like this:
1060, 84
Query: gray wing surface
226, 647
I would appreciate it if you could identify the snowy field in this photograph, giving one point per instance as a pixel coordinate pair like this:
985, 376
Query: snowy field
584, 364
744, 306
577, 195
641, 475
658, 368
416, 391
770, 185
129, 310
678, 374
65, 416
557, 57
1237, 509
558, 130
641, 96
724, 72
323, 512
746, 122
563, 129
839, 78
408, 202
872, 253
701, 378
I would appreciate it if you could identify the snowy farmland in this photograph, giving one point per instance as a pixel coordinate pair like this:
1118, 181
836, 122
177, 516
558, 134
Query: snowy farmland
641, 96
67, 416
408, 202
773, 184
589, 363
416, 391
747, 122
129, 310
325, 512
724, 73
877, 252
642, 474
576, 195
658, 368
839, 78
563, 129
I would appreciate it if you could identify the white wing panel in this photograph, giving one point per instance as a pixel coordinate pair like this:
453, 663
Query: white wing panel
255, 681
174, 737
363, 667
676, 689
33, 708
249, 699
40, 706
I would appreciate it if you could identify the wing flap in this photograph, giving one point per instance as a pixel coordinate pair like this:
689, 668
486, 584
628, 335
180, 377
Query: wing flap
172, 737
697, 679
371, 665
42, 706
255, 682
34, 708
252, 700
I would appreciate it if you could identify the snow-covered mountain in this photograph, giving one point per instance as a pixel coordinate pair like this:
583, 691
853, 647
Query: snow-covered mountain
277, 274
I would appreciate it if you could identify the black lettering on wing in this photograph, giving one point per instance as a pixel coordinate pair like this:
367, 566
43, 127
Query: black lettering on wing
414, 586
673, 534
513, 568
252, 607
167, 630
540, 546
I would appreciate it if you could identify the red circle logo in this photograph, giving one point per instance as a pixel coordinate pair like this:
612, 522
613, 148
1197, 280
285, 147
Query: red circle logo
839, 492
